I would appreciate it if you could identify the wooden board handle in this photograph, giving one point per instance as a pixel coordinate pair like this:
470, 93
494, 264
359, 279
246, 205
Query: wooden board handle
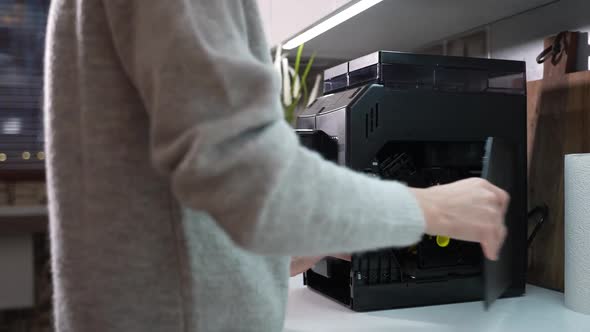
564, 62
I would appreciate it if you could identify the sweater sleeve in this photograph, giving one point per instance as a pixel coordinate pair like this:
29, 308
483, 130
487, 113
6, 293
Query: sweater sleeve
203, 71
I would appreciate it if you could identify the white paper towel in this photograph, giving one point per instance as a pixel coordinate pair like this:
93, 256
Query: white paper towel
577, 232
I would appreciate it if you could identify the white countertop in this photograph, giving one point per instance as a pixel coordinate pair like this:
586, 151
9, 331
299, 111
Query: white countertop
540, 310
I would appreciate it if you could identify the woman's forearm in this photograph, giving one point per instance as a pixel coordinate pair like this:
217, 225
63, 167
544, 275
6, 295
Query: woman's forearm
301, 264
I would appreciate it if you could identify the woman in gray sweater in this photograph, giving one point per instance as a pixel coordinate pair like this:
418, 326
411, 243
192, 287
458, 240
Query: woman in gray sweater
176, 196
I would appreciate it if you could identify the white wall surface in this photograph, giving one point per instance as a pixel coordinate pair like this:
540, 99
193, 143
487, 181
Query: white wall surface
16, 271
265, 8
521, 37
283, 18
517, 38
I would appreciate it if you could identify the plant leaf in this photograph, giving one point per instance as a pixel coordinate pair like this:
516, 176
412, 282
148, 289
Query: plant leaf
304, 78
308, 67
297, 65
295, 84
278, 59
287, 90
315, 90
298, 59
290, 111
305, 93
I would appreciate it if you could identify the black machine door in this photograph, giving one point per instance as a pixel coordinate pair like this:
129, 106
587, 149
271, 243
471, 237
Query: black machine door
319, 141
498, 168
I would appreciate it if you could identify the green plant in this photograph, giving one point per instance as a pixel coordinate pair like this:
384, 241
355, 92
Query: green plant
295, 91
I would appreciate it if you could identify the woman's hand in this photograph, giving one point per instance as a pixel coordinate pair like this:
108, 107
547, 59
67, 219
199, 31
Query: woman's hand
470, 210
302, 264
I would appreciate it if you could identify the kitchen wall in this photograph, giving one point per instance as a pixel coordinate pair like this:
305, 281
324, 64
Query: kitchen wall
16, 278
283, 18
521, 37
518, 38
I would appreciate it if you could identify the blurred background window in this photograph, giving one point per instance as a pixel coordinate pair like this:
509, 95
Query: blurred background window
22, 39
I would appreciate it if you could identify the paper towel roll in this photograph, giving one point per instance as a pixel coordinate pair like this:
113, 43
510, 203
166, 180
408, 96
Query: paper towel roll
577, 232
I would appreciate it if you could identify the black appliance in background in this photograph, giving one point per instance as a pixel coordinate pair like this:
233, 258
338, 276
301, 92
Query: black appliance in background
424, 120
22, 42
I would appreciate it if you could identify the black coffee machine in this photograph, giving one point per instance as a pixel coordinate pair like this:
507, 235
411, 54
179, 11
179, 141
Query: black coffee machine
425, 120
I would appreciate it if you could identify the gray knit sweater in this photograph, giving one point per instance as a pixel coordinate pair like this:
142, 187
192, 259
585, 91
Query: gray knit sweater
177, 190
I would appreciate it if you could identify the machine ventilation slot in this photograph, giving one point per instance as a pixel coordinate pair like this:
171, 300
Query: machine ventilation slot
377, 115
367, 125
372, 120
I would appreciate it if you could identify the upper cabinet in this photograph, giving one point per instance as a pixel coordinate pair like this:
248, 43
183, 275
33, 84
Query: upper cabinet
397, 25
284, 18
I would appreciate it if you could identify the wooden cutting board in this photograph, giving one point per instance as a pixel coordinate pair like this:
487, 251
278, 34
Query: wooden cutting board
558, 113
